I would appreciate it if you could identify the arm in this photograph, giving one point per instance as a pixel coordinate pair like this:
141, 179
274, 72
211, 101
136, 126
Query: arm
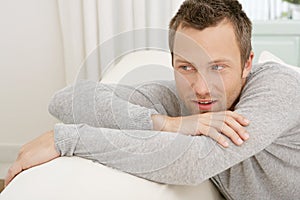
216, 125
190, 160
158, 156
178, 159
114, 106
124, 107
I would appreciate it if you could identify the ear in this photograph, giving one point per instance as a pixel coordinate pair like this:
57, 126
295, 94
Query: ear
248, 65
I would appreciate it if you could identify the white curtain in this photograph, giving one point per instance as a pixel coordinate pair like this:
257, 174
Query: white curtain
87, 24
265, 9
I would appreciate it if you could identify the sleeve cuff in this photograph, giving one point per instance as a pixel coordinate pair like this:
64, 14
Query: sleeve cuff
144, 122
66, 137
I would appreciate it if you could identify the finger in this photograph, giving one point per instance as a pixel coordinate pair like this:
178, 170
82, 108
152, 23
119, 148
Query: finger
230, 133
223, 123
228, 127
214, 134
218, 137
13, 171
239, 118
237, 127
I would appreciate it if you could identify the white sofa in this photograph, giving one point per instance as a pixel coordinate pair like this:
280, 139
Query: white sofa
77, 179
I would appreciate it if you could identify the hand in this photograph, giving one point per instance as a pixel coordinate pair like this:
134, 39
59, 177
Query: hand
36, 152
211, 124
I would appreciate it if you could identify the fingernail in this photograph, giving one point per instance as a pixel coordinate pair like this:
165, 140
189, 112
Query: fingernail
246, 136
240, 141
225, 144
246, 121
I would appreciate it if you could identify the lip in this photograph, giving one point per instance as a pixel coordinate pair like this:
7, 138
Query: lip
205, 104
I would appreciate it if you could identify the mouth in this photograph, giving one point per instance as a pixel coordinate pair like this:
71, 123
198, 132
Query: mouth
205, 104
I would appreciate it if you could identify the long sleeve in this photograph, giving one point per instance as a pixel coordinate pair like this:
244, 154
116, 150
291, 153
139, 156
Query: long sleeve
158, 156
271, 101
272, 107
114, 106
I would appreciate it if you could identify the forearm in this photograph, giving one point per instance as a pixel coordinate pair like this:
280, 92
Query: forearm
109, 106
158, 156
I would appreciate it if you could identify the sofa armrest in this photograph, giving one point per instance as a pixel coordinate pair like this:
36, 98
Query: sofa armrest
76, 178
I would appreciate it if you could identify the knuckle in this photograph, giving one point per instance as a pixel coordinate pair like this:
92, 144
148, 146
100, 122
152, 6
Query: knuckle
10, 171
221, 139
205, 131
242, 131
20, 153
26, 155
228, 116
223, 128
196, 133
240, 118
228, 112
228, 120
23, 158
22, 150
239, 115
234, 136
226, 131
239, 129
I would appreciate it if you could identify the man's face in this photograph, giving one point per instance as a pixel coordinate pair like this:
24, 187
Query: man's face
207, 66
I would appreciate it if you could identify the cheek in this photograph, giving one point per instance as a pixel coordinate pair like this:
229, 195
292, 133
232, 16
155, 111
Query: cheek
232, 88
182, 84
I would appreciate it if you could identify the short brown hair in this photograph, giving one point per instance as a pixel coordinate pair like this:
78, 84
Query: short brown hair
201, 14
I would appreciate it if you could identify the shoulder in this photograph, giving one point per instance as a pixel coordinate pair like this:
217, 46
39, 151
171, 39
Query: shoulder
271, 83
273, 76
270, 69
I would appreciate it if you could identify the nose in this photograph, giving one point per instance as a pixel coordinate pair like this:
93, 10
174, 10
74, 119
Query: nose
200, 86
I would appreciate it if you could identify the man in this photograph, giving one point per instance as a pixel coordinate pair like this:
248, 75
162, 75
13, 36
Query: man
266, 166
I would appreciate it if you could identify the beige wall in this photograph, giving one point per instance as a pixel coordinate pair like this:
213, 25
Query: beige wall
31, 70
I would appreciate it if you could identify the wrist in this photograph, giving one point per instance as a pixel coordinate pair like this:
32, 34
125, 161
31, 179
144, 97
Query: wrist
164, 123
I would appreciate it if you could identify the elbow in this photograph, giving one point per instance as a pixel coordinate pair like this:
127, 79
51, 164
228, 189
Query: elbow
60, 106
53, 106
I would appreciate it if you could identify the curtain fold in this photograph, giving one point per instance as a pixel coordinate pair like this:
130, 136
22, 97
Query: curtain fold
70, 14
91, 33
87, 24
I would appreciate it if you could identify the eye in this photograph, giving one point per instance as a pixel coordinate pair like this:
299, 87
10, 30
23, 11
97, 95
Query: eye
187, 68
217, 67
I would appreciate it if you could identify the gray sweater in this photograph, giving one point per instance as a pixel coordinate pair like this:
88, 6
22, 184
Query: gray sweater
111, 124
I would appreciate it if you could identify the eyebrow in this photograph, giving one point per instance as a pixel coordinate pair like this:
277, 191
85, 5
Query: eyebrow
219, 60
185, 61
180, 60
211, 62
